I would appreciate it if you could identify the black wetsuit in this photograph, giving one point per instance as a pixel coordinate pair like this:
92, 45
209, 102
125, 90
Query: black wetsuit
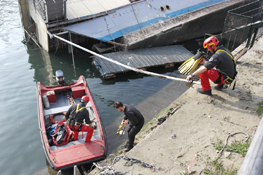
223, 62
76, 125
81, 115
136, 122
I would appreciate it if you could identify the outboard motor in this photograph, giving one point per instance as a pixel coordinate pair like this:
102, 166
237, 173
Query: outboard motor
60, 78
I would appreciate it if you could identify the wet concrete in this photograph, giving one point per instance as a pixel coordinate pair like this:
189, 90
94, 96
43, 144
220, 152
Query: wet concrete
149, 108
187, 138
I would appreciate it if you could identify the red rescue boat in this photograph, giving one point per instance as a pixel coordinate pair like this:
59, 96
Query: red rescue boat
54, 101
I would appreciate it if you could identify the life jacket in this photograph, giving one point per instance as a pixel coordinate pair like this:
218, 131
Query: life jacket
61, 134
72, 119
227, 79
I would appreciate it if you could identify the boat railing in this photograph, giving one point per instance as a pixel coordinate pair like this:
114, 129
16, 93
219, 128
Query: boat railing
41, 7
242, 24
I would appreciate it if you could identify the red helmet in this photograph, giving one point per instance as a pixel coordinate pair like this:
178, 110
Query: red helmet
84, 98
209, 42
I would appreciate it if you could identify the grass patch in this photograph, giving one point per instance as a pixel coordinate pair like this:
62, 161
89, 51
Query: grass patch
227, 119
219, 144
216, 167
260, 109
237, 147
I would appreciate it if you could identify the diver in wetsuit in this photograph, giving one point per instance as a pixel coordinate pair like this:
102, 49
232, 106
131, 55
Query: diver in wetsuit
134, 118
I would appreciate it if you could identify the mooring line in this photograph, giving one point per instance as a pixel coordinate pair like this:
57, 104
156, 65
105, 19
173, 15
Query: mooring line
120, 64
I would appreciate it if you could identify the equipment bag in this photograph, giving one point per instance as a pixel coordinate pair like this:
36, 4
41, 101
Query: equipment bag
61, 134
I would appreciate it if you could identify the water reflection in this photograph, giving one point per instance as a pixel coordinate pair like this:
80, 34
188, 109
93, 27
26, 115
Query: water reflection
24, 65
131, 88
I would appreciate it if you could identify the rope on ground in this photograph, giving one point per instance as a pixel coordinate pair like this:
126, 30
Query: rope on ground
188, 168
109, 170
220, 152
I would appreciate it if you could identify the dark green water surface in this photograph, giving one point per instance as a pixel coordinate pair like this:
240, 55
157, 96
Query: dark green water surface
21, 66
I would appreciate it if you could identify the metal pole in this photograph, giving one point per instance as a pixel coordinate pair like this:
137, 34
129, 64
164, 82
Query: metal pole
254, 37
249, 37
71, 47
32, 38
123, 65
252, 164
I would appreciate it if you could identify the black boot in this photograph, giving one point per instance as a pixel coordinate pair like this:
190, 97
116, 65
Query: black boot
219, 88
126, 144
200, 90
128, 149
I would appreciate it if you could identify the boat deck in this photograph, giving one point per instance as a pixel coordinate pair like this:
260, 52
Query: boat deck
165, 56
78, 9
62, 104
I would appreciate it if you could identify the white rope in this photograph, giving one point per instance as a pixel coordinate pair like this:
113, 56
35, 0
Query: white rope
120, 64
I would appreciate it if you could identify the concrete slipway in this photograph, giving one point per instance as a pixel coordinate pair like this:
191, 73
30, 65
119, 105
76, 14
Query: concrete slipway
184, 142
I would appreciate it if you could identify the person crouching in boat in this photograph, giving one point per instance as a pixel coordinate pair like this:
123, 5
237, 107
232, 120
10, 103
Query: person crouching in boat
132, 117
75, 116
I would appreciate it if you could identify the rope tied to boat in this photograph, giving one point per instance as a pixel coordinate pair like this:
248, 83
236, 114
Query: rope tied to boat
121, 64
109, 170
144, 164
71, 100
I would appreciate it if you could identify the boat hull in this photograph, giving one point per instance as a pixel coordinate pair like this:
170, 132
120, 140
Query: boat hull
143, 24
75, 152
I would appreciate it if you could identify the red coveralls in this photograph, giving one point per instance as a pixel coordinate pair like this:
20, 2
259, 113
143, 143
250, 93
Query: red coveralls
222, 60
82, 114
211, 74
84, 128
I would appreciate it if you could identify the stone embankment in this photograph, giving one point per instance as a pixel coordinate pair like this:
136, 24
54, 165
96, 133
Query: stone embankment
184, 143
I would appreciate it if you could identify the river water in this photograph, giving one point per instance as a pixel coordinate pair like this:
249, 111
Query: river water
21, 66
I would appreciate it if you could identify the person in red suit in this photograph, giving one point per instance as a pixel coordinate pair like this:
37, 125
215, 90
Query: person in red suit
75, 116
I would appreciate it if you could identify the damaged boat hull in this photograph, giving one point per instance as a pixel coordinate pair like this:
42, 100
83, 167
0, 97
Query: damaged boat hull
154, 23
136, 25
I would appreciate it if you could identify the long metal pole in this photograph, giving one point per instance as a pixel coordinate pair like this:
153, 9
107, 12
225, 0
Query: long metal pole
123, 65
32, 38
252, 164
72, 53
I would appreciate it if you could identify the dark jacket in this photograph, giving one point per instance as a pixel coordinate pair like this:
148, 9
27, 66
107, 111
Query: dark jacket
133, 115
80, 116
223, 62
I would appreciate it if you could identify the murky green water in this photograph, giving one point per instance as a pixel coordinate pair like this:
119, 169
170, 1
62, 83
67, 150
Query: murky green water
21, 66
